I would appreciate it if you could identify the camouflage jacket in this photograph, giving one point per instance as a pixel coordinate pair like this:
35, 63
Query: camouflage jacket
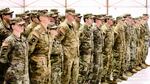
15, 52
5, 31
30, 28
86, 40
40, 41
119, 37
98, 39
108, 38
68, 38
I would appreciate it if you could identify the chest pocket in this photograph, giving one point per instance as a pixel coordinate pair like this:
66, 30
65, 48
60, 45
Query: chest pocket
19, 50
44, 40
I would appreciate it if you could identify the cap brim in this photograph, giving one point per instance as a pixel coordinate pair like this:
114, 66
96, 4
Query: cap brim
71, 13
9, 12
22, 22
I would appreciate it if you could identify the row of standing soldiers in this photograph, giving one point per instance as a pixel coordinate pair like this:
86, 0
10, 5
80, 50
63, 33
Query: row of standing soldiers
41, 47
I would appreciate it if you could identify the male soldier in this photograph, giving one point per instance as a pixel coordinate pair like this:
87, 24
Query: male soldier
145, 18
5, 31
133, 47
56, 53
119, 48
140, 46
108, 33
26, 18
39, 52
137, 27
14, 51
69, 39
98, 45
78, 20
126, 59
34, 22
86, 49
56, 13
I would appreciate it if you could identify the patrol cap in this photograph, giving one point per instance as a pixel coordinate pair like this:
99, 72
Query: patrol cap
27, 12
52, 14
70, 11
145, 15
32, 11
126, 15
118, 18
17, 20
42, 11
54, 10
136, 18
99, 17
34, 15
6, 11
88, 15
18, 15
109, 17
103, 15
78, 15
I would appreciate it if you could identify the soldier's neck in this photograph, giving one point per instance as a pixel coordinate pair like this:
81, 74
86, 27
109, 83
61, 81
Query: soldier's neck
69, 21
17, 34
45, 25
89, 25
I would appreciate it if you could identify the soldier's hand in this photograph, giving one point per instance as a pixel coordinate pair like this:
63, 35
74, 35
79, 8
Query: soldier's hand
54, 33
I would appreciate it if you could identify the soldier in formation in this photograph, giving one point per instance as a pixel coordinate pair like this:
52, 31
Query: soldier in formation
14, 51
43, 47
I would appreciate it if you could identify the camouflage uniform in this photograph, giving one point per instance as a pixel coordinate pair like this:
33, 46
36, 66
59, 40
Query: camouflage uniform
141, 45
40, 48
119, 49
133, 47
5, 31
107, 52
127, 56
86, 53
98, 55
146, 41
56, 59
15, 52
69, 40
29, 28
138, 44
33, 24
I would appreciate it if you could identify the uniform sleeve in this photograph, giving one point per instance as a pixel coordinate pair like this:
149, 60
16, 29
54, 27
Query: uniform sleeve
32, 39
61, 33
3, 32
27, 30
147, 32
5, 49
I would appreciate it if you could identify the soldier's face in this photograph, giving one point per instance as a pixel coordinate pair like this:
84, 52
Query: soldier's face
52, 20
99, 22
71, 17
90, 21
19, 27
45, 19
110, 22
7, 16
78, 19
36, 20
145, 17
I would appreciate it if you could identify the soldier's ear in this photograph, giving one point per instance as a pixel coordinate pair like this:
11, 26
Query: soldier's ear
12, 26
